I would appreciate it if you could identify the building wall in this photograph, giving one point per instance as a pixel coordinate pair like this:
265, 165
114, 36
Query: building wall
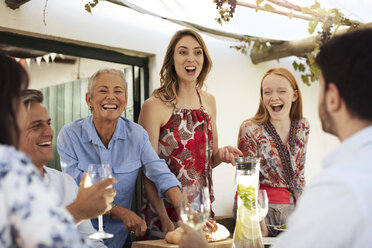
234, 80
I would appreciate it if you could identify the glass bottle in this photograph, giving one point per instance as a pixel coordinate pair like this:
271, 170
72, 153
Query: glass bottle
247, 231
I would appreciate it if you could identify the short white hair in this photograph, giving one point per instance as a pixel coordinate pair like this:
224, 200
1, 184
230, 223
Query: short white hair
92, 80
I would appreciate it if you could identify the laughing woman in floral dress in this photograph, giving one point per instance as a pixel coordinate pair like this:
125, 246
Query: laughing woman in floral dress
180, 119
278, 134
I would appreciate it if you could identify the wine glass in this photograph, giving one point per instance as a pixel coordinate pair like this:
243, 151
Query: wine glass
263, 204
96, 173
195, 206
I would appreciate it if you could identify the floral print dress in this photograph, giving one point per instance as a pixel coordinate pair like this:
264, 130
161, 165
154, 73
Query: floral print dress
282, 165
186, 145
29, 211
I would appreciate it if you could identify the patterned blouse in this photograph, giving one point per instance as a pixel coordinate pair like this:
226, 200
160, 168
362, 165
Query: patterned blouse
282, 165
29, 215
186, 145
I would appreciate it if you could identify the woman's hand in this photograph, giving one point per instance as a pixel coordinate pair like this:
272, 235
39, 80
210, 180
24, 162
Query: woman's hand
226, 154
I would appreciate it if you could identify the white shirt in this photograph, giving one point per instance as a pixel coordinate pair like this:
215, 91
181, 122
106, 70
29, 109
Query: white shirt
65, 187
335, 209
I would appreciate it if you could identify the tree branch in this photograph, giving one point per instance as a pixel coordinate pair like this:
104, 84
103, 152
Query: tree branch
279, 12
286, 5
290, 6
294, 48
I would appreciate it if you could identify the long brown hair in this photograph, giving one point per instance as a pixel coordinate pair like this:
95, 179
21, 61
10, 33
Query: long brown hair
168, 76
13, 79
262, 114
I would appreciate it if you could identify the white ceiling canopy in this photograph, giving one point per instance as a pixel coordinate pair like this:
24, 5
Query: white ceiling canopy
247, 21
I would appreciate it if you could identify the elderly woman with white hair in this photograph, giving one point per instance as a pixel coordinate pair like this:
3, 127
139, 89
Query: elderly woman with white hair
107, 137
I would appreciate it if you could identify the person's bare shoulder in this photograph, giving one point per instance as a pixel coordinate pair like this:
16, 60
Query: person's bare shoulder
207, 97
209, 102
156, 109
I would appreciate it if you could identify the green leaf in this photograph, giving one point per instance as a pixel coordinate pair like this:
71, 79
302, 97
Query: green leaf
268, 7
301, 67
87, 8
258, 2
305, 79
315, 6
312, 25
295, 65
247, 195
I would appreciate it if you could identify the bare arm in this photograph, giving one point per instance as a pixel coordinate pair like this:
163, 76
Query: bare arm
151, 120
174, 196
158, 204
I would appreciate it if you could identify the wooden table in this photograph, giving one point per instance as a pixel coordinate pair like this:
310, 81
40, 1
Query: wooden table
219, 244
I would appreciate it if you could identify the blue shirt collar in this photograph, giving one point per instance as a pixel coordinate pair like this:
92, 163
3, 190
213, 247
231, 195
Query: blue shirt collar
89, 133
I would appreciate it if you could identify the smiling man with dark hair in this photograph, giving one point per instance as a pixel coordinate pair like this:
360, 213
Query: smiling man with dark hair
36, 142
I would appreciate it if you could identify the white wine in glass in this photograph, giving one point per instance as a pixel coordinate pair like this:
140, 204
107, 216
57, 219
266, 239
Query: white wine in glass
195, 206
96, 173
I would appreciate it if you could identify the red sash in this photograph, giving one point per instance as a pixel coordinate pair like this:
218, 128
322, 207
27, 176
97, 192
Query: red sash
277, 195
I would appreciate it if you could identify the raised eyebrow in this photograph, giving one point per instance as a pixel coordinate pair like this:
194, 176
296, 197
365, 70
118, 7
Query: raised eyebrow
102, 86
118, 87
182, 47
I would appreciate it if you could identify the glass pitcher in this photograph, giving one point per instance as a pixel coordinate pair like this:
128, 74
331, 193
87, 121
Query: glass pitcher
247, 231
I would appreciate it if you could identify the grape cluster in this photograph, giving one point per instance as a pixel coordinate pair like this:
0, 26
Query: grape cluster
232, 4
224, 13
325, 35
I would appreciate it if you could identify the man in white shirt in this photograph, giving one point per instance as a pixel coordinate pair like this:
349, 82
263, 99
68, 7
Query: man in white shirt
36, 142
335, 208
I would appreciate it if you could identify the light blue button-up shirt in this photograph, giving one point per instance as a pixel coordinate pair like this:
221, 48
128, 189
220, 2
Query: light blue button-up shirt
129, 150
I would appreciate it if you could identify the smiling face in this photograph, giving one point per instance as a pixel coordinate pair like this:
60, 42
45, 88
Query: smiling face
188, 59
37, 136
278, 96
108, 98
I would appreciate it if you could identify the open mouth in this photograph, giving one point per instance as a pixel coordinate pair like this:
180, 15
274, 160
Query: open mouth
190, 68
277, 107
110, 106
45, 144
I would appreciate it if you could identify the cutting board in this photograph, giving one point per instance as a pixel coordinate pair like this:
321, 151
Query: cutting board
268, 241
162, 243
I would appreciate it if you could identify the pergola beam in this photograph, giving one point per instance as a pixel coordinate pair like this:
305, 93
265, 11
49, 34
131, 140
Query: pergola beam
294, 48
